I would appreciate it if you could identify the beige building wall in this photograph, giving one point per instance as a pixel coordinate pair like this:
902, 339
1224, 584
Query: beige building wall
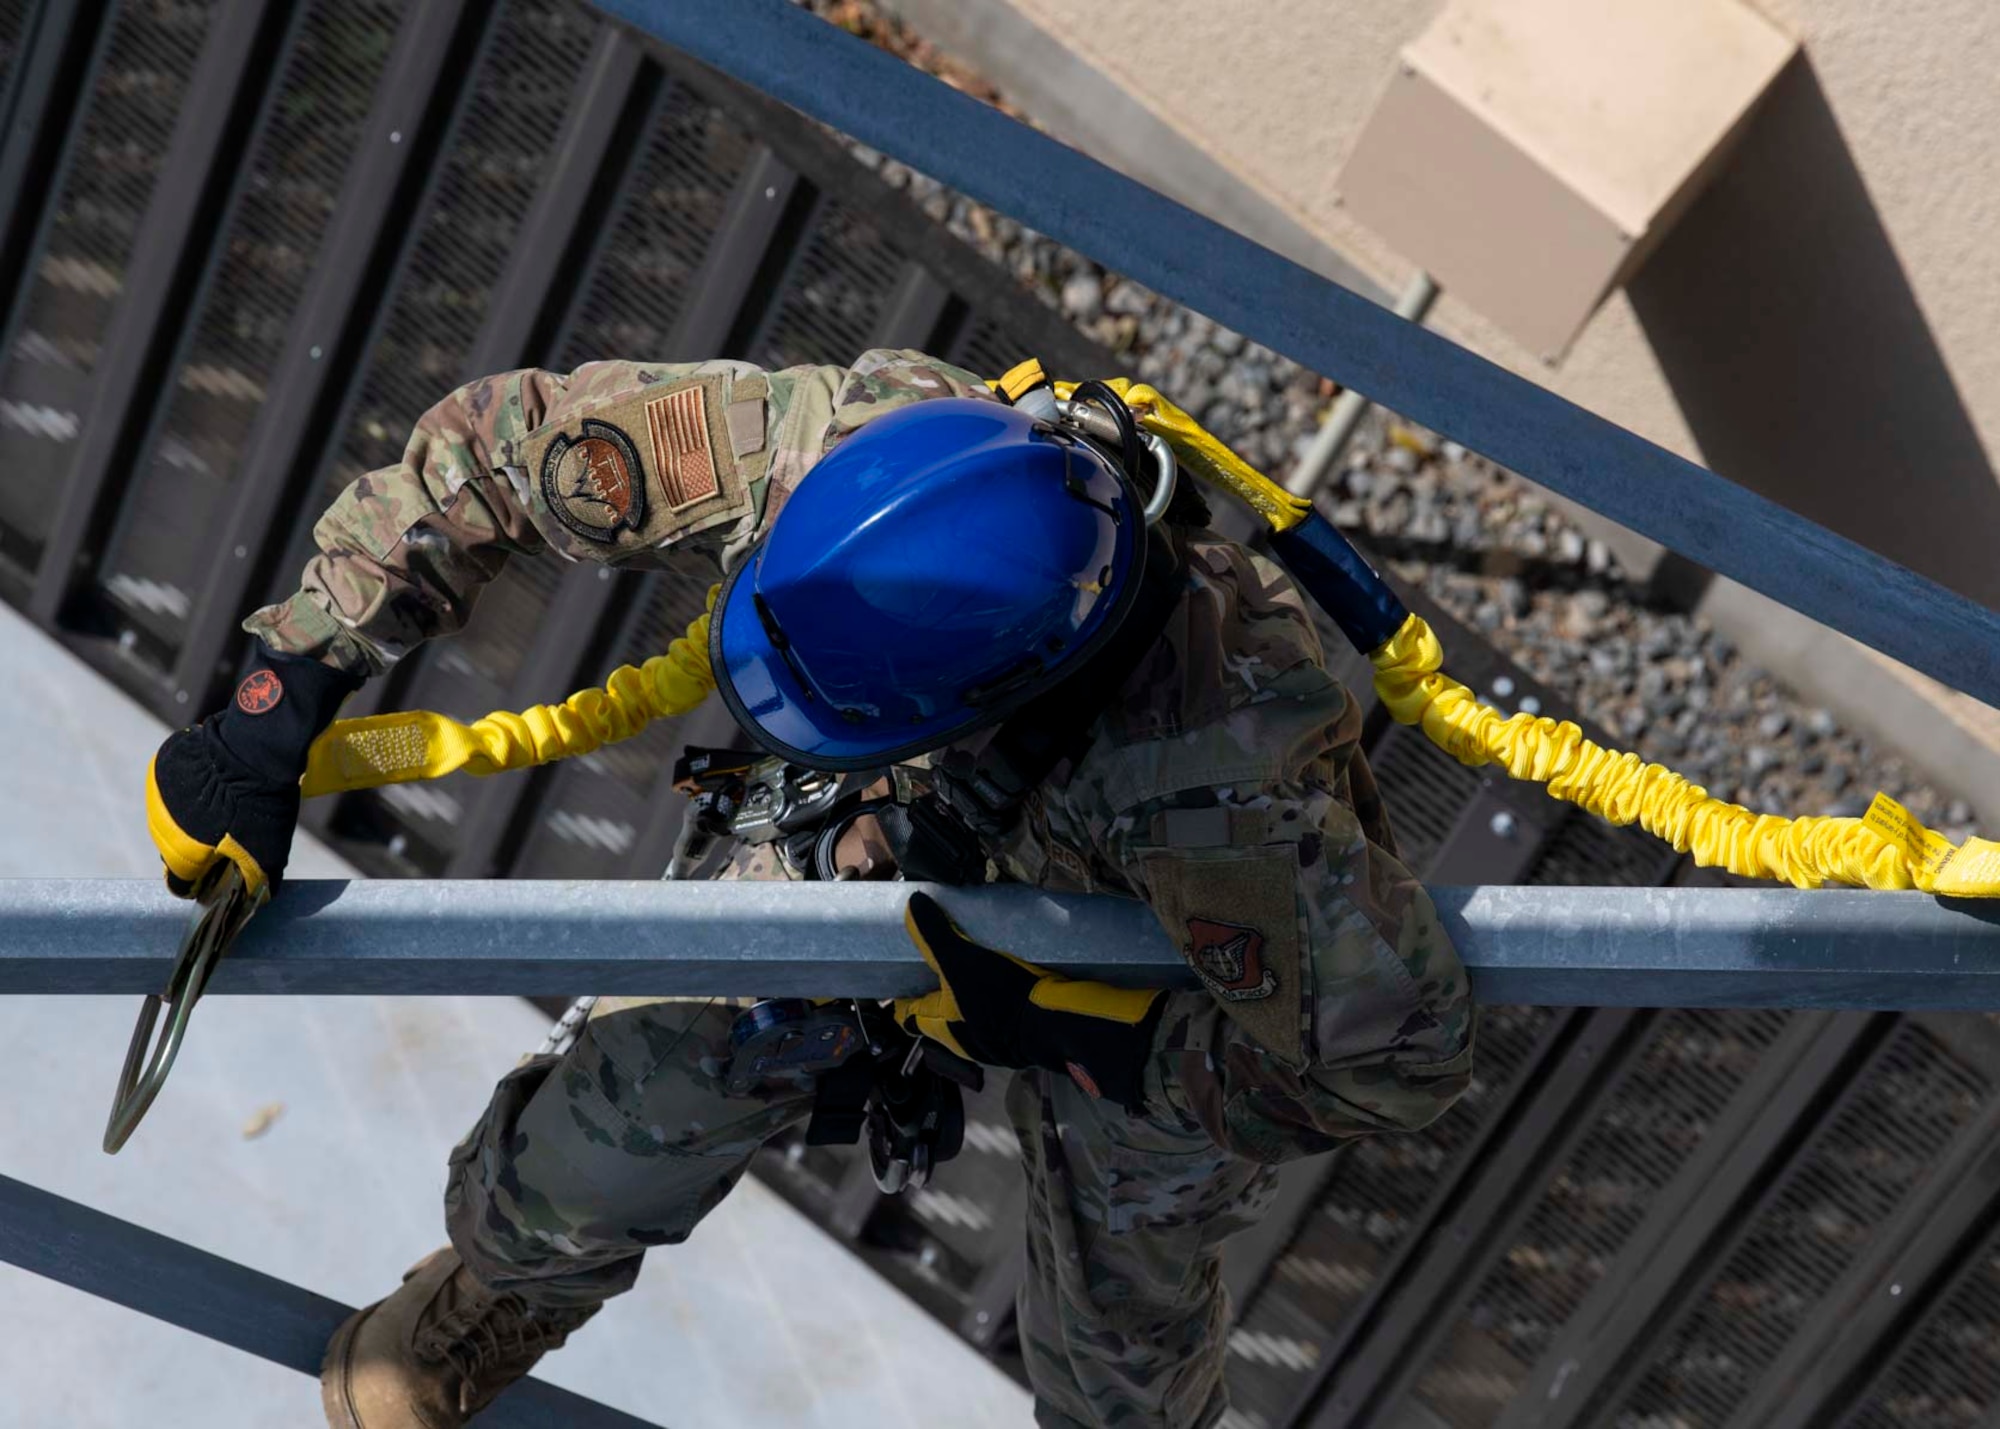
1822, 326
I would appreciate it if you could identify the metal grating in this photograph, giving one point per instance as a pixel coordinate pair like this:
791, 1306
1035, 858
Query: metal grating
1691, 1067
1948, 1374
972, 1200
1849, 1182
490, 173
13, 24
112, 165
1425, 789
1589, 853
835, 294
1375, 1200
1586, 853
971, 1212
987, 348
160, 548
672, 206
598, 804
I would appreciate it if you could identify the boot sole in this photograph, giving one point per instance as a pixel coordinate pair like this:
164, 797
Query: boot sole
333, 1375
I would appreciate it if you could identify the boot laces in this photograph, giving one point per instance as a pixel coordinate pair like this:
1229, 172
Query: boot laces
495, 1335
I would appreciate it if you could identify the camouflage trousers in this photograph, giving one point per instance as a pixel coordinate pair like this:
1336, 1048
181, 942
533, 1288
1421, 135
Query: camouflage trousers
582, 1163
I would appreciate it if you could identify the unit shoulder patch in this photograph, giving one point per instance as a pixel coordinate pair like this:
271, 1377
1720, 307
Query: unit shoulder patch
1235, 915
641, 468
1230, 959
594, 483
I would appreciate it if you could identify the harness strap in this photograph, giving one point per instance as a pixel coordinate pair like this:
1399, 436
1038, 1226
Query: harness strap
974, 800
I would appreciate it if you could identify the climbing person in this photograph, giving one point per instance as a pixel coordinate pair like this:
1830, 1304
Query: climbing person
914, 574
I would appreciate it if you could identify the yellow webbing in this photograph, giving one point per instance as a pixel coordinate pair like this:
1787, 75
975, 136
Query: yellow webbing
419, 744
1885, 848
1198, 451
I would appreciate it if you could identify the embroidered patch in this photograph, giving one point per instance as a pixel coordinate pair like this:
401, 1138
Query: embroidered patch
260, 691
593, 482
1234, 914
678, 425
1230, 959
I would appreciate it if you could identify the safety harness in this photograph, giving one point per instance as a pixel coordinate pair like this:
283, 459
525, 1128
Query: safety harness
944, 832
975, 800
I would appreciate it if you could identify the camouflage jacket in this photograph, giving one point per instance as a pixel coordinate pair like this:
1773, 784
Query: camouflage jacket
1225, 786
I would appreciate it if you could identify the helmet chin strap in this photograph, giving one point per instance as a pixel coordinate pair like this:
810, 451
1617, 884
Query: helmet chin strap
975, 799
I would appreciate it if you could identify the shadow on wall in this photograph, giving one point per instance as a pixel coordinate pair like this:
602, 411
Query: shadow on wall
1801, 360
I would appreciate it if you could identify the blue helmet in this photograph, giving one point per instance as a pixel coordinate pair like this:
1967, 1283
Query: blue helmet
935, 571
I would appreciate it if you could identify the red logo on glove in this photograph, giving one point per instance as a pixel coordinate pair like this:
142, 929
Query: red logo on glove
1230, 959
259, 693
1084, 1080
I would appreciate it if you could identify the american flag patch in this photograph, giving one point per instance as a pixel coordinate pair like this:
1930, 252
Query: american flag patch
682, 454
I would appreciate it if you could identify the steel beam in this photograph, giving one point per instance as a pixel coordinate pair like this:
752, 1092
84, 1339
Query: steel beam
563, 231
1479, 1228
1683, 1230
184, 216
826, 165
915, 312
1563, 947
538, 291
1566, 1038
793, 56
243, 1308
41, 112
331, 327
760, 229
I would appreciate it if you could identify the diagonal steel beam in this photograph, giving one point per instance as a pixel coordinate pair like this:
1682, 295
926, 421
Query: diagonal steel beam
1564, 947
243, 1308
791, 55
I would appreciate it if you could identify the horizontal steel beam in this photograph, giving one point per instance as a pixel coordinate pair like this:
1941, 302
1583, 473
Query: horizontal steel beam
242, 1308
1563, 947
793, 56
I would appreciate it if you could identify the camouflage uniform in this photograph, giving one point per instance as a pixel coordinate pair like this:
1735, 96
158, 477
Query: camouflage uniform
1225, 787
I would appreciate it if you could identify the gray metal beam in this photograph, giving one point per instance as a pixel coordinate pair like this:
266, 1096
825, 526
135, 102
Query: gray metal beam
243, 1308
1564, 947
793, 56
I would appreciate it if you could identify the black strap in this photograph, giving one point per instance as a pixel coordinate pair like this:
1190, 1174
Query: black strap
840, 1102
975, 800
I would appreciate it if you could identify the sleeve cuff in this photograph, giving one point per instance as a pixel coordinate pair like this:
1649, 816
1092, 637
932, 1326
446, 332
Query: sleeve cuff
302, 626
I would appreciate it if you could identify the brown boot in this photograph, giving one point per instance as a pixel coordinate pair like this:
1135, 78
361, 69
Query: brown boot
436, 1352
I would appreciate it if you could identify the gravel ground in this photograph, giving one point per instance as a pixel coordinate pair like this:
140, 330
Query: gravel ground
1484, 543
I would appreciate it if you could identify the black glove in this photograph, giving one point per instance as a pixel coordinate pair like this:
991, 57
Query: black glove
991, 1007
229, 786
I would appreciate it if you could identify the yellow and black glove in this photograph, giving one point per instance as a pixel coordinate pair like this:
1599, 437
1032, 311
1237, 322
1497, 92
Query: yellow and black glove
991, 1007
228, 788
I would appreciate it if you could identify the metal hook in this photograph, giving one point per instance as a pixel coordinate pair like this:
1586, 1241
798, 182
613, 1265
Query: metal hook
226, 905
1097, 423
1166, 481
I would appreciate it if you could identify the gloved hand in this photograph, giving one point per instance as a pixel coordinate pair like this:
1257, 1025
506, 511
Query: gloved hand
228, 788
991, 1007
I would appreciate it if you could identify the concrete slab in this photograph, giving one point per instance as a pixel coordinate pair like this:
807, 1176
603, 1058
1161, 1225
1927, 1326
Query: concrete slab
307, 1138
